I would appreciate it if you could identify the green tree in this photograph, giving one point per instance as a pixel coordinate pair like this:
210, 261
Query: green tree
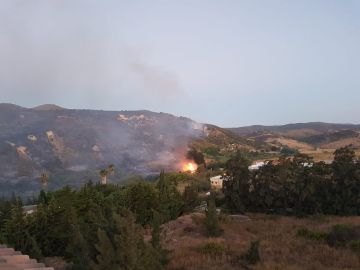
107, 255
141, 199
124, 248
345, 181
156, 238
17, 233
170, 200
77, 250
236, 185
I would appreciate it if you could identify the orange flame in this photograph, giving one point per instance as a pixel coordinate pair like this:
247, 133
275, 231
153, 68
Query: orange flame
189, 167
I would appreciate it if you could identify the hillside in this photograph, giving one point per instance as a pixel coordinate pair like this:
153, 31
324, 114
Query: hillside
297, 129
73, 145
316, 139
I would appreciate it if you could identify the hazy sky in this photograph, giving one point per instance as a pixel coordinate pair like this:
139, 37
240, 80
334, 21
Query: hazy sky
225, 62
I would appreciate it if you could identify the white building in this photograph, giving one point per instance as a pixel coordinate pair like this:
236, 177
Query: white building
257, 165
217, 182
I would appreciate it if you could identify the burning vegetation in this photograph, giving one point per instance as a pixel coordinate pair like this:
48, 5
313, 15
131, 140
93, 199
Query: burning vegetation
190, 167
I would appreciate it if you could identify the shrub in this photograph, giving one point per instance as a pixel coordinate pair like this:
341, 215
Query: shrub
212, 249
320, 218
252, 256
355, 246
312, 235
341, 235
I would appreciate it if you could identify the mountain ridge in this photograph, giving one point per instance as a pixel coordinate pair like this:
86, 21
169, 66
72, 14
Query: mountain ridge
72, 145
316, 125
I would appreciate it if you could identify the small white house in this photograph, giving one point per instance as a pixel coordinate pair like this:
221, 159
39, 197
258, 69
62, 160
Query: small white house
29, 209
217, 182
257, 165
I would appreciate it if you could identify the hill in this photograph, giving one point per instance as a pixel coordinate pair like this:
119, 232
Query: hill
296, 130
73, 145
317, 139
48, 107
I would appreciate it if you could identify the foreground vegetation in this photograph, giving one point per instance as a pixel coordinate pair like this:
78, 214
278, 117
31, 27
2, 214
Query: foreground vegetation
280, 244
147, 226
296, 186
97, 227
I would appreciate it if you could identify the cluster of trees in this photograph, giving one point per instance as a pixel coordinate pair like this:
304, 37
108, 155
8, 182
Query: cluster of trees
296, 185
98, 226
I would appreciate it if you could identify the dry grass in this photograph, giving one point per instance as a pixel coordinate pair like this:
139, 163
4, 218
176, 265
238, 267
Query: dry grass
280, 248
355, 142
320, 153
301, 133
301, 146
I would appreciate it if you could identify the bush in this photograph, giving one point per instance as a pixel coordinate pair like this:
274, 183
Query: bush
212, 249
355, 246
341, 235
252, 256
306, 233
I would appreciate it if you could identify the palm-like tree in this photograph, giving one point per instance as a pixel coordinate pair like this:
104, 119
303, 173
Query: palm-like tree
111, 169
103, 174
44, 178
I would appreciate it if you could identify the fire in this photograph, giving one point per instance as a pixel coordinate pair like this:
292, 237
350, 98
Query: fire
189, 167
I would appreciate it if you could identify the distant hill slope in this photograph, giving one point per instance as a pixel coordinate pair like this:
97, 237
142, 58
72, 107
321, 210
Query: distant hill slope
48, 107
305, 136
302, 128
71, 145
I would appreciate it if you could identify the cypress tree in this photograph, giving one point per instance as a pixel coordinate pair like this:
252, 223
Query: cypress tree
211, 222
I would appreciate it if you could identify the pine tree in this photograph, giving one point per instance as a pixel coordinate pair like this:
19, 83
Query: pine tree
14, 230
123, 247
345, 181
237, 184
107, 255
170, 200
156, 238
77, 248
31, 247
127, 239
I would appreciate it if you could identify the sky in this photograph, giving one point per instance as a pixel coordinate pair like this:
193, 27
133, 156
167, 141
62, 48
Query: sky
229, 63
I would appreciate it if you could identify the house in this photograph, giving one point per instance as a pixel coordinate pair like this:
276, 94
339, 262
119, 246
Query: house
217, 182
257, 165
29, 209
